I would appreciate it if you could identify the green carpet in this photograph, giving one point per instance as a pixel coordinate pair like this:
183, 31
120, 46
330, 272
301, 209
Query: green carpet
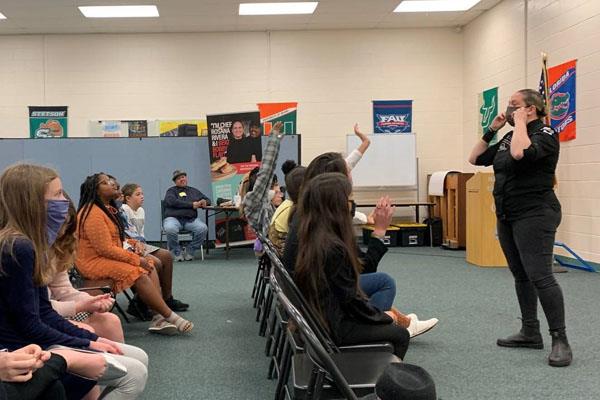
224, 359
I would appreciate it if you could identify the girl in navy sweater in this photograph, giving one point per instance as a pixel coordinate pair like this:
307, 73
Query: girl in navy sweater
32, 211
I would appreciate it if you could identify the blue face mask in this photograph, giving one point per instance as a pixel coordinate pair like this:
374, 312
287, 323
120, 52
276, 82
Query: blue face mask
56, 214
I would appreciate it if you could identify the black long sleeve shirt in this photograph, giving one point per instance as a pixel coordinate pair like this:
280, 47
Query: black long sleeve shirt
523, 187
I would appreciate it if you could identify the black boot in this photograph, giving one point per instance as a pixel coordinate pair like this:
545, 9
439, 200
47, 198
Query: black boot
528, 337
561, 355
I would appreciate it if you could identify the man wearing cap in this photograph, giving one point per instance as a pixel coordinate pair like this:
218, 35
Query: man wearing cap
181, 205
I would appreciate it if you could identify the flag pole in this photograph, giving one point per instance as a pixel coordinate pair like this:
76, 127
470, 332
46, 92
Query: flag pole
547, 101
546, 88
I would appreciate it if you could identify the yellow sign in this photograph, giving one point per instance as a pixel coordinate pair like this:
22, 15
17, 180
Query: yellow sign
189, 127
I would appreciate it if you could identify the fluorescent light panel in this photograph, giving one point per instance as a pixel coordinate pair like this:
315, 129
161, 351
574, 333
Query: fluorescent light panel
119, 11
306, 7
2, 16
435, 5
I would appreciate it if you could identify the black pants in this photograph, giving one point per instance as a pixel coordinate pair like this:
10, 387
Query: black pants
360, 333
44, 385
528, 244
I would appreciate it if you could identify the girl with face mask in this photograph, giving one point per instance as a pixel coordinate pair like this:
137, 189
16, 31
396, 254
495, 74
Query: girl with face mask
528, 214
32, 212
90, 312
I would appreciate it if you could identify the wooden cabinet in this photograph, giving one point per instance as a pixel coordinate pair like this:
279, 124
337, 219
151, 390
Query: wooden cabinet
451, 208
483, 247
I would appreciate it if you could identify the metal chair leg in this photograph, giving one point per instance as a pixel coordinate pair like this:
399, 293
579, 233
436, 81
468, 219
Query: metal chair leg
282, 379
120, 310
266, 311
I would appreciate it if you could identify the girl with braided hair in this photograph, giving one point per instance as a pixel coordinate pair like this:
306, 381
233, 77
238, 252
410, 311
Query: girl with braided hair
100, 254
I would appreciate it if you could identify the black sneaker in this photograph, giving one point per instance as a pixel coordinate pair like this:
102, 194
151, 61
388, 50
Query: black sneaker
139, 309
176, 305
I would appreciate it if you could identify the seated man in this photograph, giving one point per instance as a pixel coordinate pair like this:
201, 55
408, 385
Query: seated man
181, 204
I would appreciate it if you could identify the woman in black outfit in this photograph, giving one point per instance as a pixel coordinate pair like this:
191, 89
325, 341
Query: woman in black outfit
328, 266
528, 215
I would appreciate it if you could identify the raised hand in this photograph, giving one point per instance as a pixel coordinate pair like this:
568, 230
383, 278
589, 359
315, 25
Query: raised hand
358, 133
520, 115
498, 122
382, 216
277, 127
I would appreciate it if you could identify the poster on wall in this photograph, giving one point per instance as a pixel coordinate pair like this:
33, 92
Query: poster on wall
488, 109
561, 82
182, 128
234, 145
48, 122
392, 116
137, 128
110, 128
114, 128
273, 112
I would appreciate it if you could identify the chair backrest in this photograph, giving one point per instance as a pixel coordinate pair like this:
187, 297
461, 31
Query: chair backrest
293, 293
162, 212
315, 348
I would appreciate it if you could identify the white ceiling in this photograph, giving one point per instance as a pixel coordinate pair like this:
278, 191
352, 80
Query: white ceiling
62, 16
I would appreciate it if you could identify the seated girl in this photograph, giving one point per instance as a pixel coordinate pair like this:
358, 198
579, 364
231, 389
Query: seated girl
89, 312
32, 211
379, 287
135, 218
279, 227
100, 254
327, 269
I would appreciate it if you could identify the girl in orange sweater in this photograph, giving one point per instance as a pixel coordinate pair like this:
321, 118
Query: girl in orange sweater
100, 254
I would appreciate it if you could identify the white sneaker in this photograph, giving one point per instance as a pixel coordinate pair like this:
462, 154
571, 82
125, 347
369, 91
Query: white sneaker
178, 257
188, 256
417, 327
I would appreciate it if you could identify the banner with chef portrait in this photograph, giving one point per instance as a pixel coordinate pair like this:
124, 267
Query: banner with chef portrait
235, 149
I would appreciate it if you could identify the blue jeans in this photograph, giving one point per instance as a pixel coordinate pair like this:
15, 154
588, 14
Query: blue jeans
380, 288
172, 227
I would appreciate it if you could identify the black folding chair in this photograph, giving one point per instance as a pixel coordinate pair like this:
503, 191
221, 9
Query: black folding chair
288, 357
97, 287
339, 373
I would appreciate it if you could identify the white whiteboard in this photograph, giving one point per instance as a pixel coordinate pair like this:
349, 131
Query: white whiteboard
391, 160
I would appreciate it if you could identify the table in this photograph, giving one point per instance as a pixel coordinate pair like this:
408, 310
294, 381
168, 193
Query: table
218, 210
416, 205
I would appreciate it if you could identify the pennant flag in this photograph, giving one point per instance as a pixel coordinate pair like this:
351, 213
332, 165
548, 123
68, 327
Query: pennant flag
392, 116
488, 109
273, 112
561, 82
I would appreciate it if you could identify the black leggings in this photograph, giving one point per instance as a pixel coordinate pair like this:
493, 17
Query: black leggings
528, 244
360, 333
45, 383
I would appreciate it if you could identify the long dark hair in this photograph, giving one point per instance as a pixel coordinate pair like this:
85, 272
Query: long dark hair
293, 181
89, 197
325, 224
326, 162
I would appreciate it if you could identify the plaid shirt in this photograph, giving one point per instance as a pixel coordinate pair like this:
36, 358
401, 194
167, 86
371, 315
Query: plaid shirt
257, 206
